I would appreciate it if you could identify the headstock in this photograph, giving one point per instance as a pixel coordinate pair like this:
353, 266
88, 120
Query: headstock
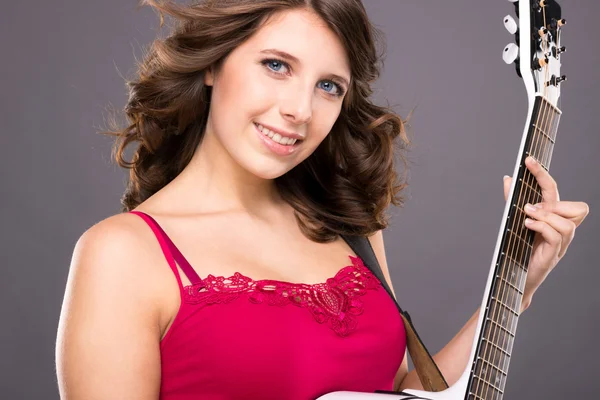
538, 48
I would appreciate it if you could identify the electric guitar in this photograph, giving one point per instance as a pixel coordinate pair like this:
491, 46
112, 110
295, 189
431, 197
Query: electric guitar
537, 57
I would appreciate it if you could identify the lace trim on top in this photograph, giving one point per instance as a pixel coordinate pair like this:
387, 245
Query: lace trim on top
335, 301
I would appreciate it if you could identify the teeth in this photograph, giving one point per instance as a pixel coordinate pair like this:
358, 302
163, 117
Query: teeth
276, 137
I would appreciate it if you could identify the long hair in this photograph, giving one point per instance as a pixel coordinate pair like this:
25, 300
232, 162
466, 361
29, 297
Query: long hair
344, 187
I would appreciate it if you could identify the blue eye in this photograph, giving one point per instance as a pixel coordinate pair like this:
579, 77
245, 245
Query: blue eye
272, 61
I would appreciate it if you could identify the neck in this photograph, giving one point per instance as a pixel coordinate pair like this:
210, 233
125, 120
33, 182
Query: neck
505, 293
214, 182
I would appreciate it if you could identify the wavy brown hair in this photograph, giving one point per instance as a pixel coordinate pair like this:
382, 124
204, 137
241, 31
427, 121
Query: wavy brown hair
344, 187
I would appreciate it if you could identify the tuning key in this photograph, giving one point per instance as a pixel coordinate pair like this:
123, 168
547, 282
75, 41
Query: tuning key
558, 50
554, 80
554, 23
510, 24
510, 53
540, 63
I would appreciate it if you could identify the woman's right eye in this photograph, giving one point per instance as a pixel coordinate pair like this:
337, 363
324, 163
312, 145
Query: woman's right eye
274, 61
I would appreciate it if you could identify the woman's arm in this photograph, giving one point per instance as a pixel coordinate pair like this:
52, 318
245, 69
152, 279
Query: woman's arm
108, 334
453, 358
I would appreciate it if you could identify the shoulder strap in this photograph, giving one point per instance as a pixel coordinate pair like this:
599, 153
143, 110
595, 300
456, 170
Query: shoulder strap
429, 374
174, 252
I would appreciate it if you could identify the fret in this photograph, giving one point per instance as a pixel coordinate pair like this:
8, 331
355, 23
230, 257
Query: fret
531, 184
507, 298
501, 337
508, 319
515, 271
501, 327
544, 133
494, 354
530, 188
473, 396
502, 350
556, 112
541, 150
490, 386
549, 125
516, 263
518, 250
493, 370
517, 244
485, 390
515, 234
506, 282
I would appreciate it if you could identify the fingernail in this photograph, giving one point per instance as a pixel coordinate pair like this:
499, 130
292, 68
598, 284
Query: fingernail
506, 176
528, 221
538, 205
529, 207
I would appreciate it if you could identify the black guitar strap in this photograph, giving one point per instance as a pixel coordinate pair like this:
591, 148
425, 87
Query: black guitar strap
429, 374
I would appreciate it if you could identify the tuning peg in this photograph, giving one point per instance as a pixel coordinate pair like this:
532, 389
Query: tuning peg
554, 23
510, 24
554, 80
539, 63
510, 53
558, 50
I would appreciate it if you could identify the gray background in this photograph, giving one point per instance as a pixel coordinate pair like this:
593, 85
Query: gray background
61, 67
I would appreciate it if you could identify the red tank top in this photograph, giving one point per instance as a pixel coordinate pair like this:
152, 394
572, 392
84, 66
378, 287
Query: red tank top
238, 338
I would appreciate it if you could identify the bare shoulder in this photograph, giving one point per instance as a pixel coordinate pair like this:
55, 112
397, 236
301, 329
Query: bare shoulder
120, 248
108, 334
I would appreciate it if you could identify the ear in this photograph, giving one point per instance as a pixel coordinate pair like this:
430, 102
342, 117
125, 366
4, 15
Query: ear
209, 78
507, 181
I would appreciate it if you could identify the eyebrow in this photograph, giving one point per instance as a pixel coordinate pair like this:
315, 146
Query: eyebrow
290, 57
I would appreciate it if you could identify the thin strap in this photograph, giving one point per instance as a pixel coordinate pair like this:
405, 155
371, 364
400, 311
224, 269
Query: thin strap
170, 250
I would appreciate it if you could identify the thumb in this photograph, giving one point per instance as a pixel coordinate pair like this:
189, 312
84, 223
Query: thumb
507, 180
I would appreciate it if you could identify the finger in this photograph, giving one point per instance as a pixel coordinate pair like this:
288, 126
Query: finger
507, 181
549, 235
575, 211
564, 227
544, 179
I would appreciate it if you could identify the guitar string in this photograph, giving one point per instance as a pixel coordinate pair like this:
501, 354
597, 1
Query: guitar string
538, 150
493, 330
538, 146
506, 298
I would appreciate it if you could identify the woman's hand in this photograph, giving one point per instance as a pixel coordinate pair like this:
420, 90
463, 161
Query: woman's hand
554, 222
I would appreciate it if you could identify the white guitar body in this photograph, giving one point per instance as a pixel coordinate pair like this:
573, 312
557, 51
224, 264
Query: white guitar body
540, 96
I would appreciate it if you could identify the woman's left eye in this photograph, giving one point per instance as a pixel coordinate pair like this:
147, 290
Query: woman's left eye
273, 61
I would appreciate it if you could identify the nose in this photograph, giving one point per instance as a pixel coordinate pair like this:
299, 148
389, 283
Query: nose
296, 106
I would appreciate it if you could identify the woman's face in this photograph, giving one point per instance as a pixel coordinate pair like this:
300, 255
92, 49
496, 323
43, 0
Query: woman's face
301, 96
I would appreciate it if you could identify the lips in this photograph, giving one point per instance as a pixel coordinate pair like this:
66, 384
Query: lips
279, 149
291, 135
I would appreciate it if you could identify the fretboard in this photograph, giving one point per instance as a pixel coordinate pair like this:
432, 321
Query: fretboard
490, 366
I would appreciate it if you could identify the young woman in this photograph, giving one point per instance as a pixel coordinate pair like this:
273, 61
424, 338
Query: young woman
225, 276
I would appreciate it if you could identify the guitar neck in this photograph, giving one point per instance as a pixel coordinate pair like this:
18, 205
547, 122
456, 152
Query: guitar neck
492, 357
